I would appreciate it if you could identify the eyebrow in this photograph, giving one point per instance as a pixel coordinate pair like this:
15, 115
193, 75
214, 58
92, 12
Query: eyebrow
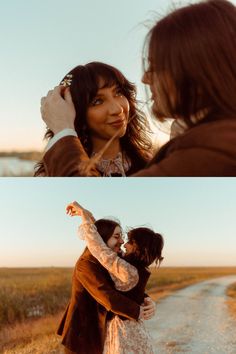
114, 87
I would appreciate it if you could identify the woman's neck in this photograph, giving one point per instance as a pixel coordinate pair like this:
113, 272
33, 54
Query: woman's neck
111, 152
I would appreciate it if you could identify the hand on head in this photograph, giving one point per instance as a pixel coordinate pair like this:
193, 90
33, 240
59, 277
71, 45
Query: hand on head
57, 109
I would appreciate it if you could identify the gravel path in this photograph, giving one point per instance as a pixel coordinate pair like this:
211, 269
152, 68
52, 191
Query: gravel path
195, 320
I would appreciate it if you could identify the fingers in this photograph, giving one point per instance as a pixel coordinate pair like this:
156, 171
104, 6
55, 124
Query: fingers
50, 92
74, 209
67, 95
56, 92
141, 317
70, 210
148, 312
147, 317
148, 307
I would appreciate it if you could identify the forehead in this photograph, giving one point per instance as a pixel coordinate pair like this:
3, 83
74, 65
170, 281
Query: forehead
117, 230
104, 83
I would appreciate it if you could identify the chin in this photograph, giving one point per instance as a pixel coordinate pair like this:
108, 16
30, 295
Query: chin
121, 133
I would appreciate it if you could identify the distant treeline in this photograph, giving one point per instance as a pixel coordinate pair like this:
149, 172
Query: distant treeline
24, 155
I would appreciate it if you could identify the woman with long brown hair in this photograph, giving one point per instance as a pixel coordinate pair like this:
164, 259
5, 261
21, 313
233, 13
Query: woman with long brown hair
106, 108
191, 72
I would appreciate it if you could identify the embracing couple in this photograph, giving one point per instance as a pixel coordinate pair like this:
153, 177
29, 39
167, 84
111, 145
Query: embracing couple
96, 127
108, 302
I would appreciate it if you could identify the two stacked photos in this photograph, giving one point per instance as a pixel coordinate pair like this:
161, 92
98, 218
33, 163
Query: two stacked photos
145, 262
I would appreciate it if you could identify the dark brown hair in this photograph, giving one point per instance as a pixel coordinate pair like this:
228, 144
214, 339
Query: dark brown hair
84, 87
149, 245
195, 48
105, 228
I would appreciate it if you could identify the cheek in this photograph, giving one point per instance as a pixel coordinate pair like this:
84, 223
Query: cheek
125, 105
111, 242
127, 247
95, 117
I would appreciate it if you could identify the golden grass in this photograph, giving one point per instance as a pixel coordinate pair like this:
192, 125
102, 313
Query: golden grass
27, 337
165, 280
32, 292
37, 336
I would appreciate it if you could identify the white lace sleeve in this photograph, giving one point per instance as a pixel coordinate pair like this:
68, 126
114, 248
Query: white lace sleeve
124, 274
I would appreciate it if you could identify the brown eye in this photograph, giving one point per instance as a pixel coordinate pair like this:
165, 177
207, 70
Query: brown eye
96, 102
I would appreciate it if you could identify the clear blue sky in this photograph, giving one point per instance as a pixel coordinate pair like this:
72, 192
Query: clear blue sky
41, 40
196, 217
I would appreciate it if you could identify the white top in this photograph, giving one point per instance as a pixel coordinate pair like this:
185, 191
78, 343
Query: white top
60, 135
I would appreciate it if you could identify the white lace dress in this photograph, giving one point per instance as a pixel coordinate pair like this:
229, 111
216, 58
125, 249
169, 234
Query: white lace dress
122, 337
118, 166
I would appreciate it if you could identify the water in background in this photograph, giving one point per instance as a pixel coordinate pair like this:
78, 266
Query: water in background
13, 167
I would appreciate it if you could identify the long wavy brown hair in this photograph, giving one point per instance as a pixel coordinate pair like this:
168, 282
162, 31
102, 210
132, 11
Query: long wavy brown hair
193, 51
84, 87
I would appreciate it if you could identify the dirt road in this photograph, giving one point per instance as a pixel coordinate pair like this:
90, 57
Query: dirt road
195, 320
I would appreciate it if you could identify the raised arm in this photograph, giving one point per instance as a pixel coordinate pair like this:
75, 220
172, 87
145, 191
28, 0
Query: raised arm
58, 112
124, 275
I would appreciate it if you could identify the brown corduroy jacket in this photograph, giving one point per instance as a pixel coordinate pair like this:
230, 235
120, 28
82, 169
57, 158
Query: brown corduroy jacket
93, 296
207, 149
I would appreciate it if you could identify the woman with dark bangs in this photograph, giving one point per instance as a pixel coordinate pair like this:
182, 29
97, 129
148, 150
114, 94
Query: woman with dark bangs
105, 107
191, 72
129, 273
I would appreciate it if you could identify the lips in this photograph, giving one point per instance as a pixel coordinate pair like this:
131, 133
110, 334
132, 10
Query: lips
117, 123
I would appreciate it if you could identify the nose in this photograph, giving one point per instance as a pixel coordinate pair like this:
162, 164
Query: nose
121, 241
116, 108
146, 79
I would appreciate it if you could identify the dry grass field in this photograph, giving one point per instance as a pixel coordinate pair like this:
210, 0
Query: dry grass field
167, 279
32, 301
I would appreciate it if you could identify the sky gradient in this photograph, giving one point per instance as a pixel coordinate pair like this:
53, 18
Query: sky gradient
42, 40
196, 217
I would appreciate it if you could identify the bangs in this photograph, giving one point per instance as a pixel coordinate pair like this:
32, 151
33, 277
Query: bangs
102, 76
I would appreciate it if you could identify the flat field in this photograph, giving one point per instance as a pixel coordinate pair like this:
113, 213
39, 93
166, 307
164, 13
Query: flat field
32, 301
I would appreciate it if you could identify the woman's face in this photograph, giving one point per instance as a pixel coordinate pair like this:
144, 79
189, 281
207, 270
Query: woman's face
129, 247
151, 79
116, 240
108, 113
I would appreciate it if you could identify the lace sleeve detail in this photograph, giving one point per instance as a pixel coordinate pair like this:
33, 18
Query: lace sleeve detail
124, 275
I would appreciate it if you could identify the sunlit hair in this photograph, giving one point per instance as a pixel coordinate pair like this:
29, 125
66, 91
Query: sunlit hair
191, 54
85, 83
106, 228
148, 246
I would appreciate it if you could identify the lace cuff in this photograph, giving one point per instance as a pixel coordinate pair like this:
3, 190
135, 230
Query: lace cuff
124, 275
